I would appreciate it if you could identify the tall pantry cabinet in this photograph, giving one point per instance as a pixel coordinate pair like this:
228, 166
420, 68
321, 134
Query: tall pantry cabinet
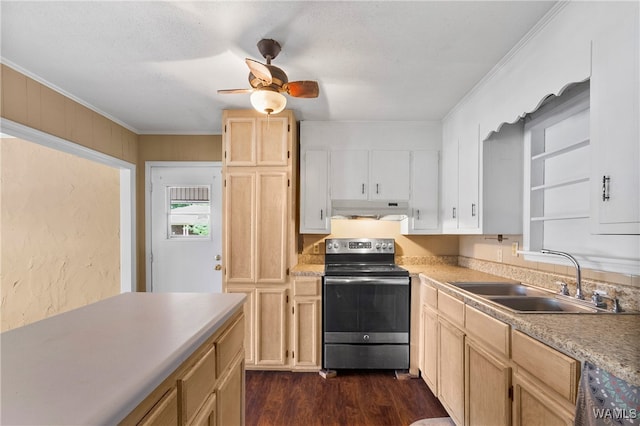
259, 163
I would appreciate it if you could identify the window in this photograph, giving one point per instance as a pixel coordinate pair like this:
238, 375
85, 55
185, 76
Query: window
189, 212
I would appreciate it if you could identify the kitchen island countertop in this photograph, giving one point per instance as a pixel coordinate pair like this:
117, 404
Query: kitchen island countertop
95, 364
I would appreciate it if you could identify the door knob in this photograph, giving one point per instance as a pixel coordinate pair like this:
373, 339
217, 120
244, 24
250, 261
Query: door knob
218, 267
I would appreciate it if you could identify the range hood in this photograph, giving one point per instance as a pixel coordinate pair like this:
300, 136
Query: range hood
374, 209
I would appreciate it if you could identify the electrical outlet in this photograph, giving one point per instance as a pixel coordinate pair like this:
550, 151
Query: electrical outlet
499, 255
514, 249
316, 248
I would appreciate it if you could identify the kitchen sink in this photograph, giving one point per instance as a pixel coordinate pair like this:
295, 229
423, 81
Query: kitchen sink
499, 289
542, 304
521, 298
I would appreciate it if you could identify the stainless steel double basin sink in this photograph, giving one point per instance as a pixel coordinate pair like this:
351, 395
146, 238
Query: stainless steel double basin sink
526, 299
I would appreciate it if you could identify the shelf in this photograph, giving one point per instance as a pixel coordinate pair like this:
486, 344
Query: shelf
560, 217
561, 151
559, 184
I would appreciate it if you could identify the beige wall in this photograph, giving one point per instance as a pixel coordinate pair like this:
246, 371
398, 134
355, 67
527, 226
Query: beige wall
60, 224
36, 295
167, 148
406, 245
479, 247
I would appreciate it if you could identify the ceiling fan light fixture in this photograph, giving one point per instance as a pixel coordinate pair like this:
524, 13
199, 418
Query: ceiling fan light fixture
268, 101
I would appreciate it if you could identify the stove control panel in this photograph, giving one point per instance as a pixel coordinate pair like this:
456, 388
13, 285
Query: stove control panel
359, 245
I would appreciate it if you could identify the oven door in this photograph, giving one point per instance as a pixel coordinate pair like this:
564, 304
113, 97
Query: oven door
366, 310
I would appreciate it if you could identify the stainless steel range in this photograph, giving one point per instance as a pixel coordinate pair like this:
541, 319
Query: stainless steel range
365, 308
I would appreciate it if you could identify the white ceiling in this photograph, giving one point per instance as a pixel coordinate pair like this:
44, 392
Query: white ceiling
156, 66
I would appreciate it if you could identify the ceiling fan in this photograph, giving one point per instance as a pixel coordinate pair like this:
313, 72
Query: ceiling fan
268, 82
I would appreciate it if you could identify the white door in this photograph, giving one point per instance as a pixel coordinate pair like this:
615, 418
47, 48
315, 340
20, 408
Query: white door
349, 174
186, 245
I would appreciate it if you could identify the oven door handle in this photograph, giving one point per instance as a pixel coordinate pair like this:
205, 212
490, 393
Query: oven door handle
367, 280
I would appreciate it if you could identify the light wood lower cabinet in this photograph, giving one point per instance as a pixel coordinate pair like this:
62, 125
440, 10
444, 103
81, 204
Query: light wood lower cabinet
545, 383
206, 389
451, 369
429, 353
487, 382
534, 406
489, 374
306, 330
271, 331
230, 408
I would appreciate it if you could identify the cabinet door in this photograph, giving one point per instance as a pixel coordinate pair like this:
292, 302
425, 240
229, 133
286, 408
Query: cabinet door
349, 175
487, 382
451, 370
240, 141
533, 405
615, 128
271, 226
468, 180
230, 397
207, 414
239, 226
450, 184
272, 141
390, 175
424, 191
306, 333
429, 359
271, 334
314, 218
249, 322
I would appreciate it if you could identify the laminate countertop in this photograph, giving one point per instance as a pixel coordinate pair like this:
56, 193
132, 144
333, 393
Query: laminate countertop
95, 364
609, 341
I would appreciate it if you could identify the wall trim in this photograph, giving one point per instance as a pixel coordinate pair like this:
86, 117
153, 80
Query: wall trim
63, 92
525, 40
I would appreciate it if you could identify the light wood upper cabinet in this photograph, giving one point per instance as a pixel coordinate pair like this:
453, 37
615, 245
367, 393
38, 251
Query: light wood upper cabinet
240, 226
256, 237
272, 205
252, 139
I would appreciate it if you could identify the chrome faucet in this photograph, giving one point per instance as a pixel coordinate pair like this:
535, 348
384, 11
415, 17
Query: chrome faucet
579, 294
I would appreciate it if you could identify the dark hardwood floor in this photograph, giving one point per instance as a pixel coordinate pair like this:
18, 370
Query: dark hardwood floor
352, 398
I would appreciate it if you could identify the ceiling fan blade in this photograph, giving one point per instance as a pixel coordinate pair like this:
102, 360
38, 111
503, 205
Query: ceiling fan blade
234, 91
303, 89
260, 70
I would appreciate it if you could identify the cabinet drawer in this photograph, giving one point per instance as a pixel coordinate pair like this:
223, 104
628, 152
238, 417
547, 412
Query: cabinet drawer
197, 384
306, 287
451, 308
165, 412
489, 330
229, 344
556, 370
430, 296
